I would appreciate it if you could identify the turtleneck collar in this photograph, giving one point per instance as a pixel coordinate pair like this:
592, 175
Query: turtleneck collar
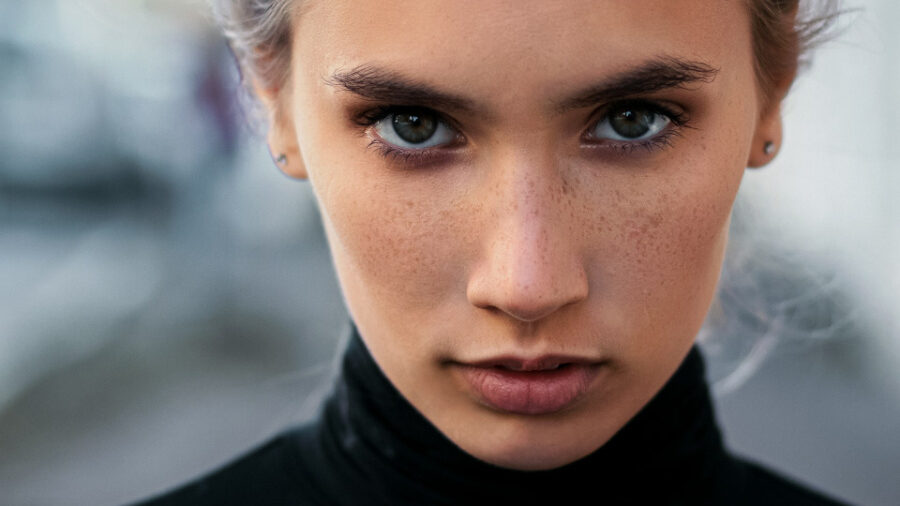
373, 440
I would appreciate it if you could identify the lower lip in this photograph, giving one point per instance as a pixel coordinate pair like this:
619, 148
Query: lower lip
530, 392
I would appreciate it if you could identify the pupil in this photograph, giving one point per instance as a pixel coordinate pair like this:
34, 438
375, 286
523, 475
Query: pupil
415, 127
632, 123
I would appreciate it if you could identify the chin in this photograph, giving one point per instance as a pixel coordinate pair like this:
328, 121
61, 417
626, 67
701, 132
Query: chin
534, 444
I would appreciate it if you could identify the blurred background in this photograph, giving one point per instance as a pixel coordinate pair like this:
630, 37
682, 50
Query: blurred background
167, 300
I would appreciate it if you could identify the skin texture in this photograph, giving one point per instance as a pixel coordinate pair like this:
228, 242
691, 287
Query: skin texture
521, 238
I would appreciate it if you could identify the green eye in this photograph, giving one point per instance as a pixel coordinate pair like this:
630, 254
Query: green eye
414, 128
633, 122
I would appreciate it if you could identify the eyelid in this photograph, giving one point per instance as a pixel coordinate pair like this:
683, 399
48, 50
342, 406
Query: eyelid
677, 115
417, 157
372, 115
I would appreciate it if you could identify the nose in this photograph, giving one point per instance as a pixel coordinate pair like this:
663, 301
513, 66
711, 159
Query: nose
530, 266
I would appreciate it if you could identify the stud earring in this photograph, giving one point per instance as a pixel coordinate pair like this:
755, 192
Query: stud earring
769, 147
281, 160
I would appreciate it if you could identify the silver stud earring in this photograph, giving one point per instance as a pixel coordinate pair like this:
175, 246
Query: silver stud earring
281, 160
769, 147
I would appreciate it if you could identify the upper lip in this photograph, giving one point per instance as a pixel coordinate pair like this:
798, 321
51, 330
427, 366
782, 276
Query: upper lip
541, 363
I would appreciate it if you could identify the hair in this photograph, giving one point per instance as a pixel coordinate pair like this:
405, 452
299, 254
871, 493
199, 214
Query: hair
783, 36
259, 33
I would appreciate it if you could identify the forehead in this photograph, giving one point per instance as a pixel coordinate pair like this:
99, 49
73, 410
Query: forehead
512, 39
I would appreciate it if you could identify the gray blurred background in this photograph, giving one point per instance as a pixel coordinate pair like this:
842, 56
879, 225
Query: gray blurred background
167, 301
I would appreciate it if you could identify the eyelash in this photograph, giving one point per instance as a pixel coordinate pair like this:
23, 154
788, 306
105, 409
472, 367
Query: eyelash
372, 116
679, 121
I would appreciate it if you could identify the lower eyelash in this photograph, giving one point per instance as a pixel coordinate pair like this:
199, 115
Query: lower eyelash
416, 157
413, 157
420, 157
388, 151
661, 141
678, 120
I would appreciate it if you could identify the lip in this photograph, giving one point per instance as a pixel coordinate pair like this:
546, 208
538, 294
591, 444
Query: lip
535, 386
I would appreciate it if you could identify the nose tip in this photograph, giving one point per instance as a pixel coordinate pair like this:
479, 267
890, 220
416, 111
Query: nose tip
526, 282
527, 304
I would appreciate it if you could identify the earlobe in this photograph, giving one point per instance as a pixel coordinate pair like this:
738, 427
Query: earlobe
769, 136
284, 148
767, 139
282, 136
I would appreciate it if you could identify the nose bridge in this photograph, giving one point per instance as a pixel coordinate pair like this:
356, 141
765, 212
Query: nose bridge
531, 263
527, 182
527, 218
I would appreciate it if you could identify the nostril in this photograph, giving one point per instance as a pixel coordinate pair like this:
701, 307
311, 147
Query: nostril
529, 312
525, 306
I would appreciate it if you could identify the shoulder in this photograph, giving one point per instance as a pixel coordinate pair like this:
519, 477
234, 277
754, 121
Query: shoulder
759, 485
274, 473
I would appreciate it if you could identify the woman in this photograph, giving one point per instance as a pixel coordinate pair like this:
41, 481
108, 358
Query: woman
527, 205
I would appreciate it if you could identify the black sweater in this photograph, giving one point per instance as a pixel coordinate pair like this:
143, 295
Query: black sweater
371, 447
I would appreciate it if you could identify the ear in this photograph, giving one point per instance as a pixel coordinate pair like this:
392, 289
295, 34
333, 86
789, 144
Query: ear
767, 138
282, 135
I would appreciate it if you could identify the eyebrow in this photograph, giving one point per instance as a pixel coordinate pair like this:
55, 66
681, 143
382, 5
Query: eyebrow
379, 84
375, 83
660, 73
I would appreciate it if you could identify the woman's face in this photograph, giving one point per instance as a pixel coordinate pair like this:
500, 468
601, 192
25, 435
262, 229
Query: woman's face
519, 185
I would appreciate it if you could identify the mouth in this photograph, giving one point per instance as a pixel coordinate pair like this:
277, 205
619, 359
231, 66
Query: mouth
537, 386
545, 363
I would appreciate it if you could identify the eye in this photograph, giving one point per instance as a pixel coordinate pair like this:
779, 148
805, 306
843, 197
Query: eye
414, 128
631, 122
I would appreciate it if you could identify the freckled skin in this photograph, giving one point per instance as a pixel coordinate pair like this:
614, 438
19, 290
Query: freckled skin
525, 243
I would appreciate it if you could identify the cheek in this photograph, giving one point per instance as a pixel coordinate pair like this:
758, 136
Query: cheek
400, 249
669, 251
662, 266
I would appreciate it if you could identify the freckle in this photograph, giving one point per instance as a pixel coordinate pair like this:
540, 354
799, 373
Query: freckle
566, 189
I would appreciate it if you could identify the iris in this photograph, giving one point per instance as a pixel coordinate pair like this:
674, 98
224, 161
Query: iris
633, 122
415, 127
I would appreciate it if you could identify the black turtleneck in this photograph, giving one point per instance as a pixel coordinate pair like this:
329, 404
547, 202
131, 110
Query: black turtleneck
369, 446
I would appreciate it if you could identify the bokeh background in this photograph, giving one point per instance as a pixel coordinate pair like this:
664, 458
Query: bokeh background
167, 301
